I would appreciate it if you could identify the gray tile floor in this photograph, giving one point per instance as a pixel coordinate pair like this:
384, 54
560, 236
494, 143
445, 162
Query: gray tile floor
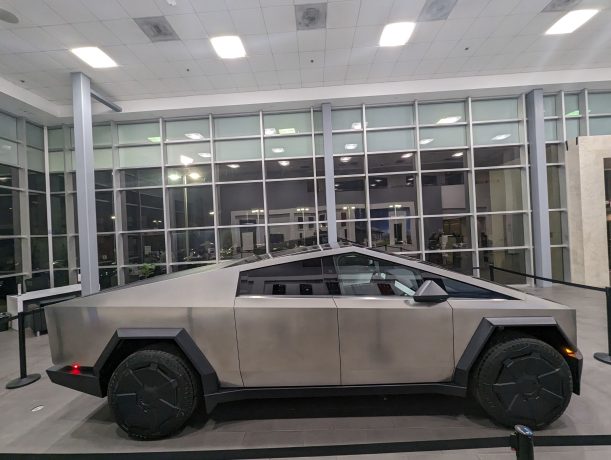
73, 422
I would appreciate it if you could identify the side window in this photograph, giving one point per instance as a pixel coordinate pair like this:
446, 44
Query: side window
359, 274
460, 290
301, 278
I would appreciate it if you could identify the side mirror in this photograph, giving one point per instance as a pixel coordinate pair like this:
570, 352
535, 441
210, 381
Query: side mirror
430, 291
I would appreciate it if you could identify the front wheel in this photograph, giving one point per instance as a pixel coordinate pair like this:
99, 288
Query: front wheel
152, 394
523, 381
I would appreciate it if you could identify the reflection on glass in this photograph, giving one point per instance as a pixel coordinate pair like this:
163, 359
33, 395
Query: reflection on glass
445, 193
282, 169
245, 170
10, 262
38, 281
135, 157
443, 113
8, 150
501, 230
237, 126
58, 214
291, 201
140, 177
444, 233
193, 246
144, 248
106, 250
10, 223
105, 212
241, 242
554, 153
443, 159
108, 278
391, 162
600, 126
395, 234
497, 156
133, 274
240, 204
240, 149
283, 237
40, 253
599, 103
497, 133
8, 126
499, 190
187, 154
557, 224
350, 198
460, 261
38, 214
103, 179
382, 117
393, 196
441, 137
573, 128
551, 130
282, 147
387, 141
348, 143
286, 123
353, 232
560, 263
139, 133
346, 119
188, 175
143, 209
494, 109
571, 105
511, 259
349, 164
555, 186
184, 130
190, 206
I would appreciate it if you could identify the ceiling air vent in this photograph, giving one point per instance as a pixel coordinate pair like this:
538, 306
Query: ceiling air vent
157, 28
560, 5
311, 16
436, 10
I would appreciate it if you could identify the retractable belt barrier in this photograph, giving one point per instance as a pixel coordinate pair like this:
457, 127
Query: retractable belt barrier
24, 378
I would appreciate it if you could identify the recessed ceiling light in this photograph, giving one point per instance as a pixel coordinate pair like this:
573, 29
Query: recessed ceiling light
195, 136
94, 56
228, 46
378, 180
501, 137
270, 131
426, 141
407, 155
448, 120
205, 155
350, 146
194, 175
287, 131
345, 159
278, 149
357, 125
174, 176
233, 166
185, 160
457, 154
284, 163
570, 22
396, 34
154, 139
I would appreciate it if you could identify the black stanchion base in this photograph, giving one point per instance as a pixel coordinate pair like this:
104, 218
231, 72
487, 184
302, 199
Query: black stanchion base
603, 357
21, 382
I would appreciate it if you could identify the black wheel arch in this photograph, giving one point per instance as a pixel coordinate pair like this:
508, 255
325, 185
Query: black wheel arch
543, 328
126, 341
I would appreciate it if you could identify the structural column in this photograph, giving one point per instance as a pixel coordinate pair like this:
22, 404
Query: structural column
83, 143
538, 184
327, 133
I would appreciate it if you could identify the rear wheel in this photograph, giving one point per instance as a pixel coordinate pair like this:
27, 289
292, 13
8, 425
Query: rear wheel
152, 393
523, 381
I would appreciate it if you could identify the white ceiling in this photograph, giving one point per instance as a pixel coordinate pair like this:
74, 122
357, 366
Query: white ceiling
481, 37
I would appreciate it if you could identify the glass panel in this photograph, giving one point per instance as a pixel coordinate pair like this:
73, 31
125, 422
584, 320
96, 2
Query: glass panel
395, 234
497, 109
300, 278
393, 196
143, 209
317, 120
381, 117
9, 176
350, 198
551, 130
391, 162
557, 226
318, 145
133, 157
108, 278
346, 119
240, 242
141, 133
106, 250
445, 233
38, 214
8, 152
102, 158
247, 170
140, 177
282, 237
10, 223
193, 245
8, 126
353, 232
549, 106
191, 175
10, 258
555, 186
185, 154
40, 253
571, 105
560, 262
573, 128
291, 201
599, 103
501, 230
190, 266
287, 123
191, 207
499, 190
133, 274
237, 126
102, 136
61, 278
600, 126
103, 179
349, 164
298, 146
241, 204
320, 167
280, 169
105, 211
147, 248
443, 159
380, 141
443, 113
348, 143
58, 214
34, 136
55, 138
322, 198
554, 153
60, 252
431, 138
511, 259
497, 156
182, 130
497, 133
445, 193
243, 149
461, 262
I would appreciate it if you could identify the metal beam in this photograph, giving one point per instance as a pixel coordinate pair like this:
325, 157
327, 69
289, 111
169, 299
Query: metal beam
83, 143
538, 183
111, 105
327, 134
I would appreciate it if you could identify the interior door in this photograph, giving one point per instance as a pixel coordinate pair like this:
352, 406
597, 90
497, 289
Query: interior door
286, 323
385, 336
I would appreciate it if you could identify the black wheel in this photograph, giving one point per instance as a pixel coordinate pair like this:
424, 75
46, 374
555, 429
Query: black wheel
152, 393
523, 381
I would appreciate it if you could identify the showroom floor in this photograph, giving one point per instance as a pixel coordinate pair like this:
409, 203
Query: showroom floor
72, 422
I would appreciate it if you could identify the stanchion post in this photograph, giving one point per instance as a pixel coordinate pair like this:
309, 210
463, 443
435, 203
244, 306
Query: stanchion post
24, 379
491, 270
601, 356
521, 441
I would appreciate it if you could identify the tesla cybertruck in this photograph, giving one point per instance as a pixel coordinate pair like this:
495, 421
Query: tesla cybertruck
324, 321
